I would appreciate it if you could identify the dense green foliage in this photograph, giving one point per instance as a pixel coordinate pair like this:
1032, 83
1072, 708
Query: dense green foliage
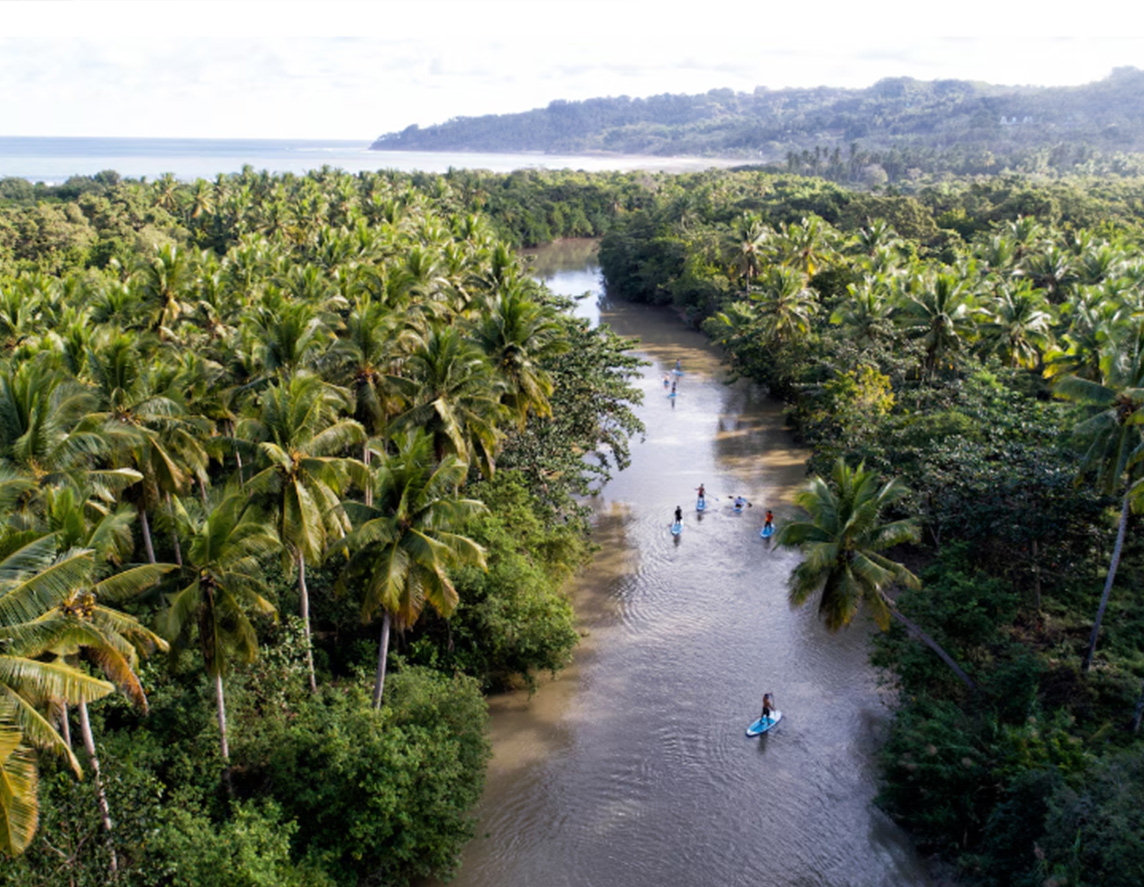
980, 346
892, 131
223, 402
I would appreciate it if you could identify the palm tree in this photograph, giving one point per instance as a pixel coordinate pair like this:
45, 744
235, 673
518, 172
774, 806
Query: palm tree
457, 398
866, 314
1115, 444
148, 430
407, 541
750, 240
806, 246
517, 335
111, 640
940, 317
299, 434
224, 561
164, 284
842, 544
785, 305
1017, 327
34, 582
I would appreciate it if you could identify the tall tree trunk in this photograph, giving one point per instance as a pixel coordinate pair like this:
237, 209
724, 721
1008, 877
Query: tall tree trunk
1036, 577
1124, 512
174, 532
365, 458
913, 628
223, 745
101, 794
304, 600
382, 653
237, 454
65, 725
146, 525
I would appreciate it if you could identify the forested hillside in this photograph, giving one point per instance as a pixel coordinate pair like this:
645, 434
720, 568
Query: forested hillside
895, 129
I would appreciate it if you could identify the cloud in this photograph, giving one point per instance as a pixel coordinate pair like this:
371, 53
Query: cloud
121, 68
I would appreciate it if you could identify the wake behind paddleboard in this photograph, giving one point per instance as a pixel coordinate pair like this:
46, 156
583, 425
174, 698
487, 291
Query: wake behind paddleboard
760, 726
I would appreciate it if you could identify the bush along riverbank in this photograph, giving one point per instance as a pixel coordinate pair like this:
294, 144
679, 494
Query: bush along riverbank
979, 353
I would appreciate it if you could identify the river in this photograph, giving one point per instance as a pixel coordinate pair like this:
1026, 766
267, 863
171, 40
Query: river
632, 768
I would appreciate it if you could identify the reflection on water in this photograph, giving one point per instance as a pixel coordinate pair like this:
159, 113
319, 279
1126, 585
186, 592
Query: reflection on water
631, 767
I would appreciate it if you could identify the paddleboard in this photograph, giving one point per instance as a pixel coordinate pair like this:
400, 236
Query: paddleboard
678, 372
739, 508
673, 394
677, 528
760, 726
767, 532
700, 504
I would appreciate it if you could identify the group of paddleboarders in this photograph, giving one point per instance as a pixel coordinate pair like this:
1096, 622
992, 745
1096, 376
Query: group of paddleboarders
739, 502
770, 714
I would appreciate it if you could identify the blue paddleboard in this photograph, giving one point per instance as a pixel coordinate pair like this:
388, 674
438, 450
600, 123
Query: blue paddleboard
767, 532
672, 394
678, 372
677, 528
739, 509
760, 726
700, 504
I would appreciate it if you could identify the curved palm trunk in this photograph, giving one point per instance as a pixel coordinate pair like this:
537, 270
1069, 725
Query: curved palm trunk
1115, 562
101, 794
223, 745
145, 524
913, 628
382, 654
304, 603
174, 532
1139, 712
365, 458
65, 725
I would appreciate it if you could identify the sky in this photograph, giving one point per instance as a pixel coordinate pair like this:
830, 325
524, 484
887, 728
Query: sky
343, 69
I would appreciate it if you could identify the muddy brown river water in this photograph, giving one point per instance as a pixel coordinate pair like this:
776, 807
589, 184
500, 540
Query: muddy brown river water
631, 768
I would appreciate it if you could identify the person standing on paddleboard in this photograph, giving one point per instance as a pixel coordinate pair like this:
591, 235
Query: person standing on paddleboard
768, 707
679, 514
769, 521
673, 388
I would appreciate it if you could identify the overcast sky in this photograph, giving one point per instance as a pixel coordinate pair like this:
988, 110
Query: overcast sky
353, 70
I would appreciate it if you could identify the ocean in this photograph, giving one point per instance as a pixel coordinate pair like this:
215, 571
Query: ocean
54, 160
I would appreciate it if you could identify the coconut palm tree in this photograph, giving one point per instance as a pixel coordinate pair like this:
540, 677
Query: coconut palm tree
1115, 443
785, 305
299, 434
457, 398
405, 544
34, 582
1017, 328
749, 239
89, 629
842, 544
224, 564
517, 335
940, 317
